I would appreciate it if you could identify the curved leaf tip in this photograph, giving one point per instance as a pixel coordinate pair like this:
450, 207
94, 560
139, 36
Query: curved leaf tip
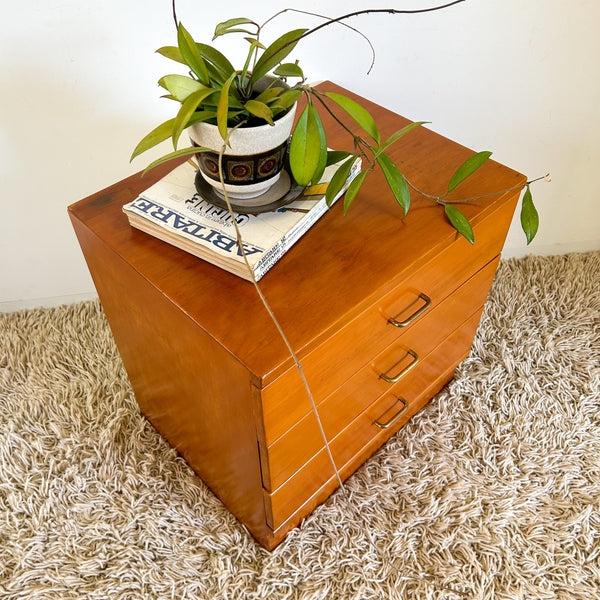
468, 168
460, 222
530, 219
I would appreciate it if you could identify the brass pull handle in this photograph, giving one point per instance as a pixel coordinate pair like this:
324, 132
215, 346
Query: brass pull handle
415, 315
393, 378
395, 417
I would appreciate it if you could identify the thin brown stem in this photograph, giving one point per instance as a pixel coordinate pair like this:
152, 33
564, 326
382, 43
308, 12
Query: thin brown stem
421, 192
175, 15
442, 201
312, 14
390, 11
269, 310
317, 95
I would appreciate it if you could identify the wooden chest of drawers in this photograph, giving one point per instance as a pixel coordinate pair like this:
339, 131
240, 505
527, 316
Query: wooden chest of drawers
380, 311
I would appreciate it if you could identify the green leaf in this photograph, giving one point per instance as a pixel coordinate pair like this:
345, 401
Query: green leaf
353, 189
234, 102
217, 60
289, 70
156, 136
338, 180
275, 53
213, 100
305, 147
460, 222
316, 178
288, 98
171, 52
255, 43
204, 115
468, 168
396, 181
188, 108
218, 65
401, 133
176, 154
180, 86
235, 31
191, 54
334, 156
358, 113
165, 130
252, 52
530, 220
269, 95
226, 26
259, 109
223, 107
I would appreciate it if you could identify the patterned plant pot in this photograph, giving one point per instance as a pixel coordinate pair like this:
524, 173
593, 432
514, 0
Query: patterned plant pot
252, 163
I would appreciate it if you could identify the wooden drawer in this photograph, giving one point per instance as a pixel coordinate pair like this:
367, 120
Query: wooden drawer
362, 437
284, 402
397, 362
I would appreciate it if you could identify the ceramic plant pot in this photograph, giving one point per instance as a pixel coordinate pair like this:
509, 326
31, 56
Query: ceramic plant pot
252, 163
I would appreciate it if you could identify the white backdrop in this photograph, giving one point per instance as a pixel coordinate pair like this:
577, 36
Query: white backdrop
79, 91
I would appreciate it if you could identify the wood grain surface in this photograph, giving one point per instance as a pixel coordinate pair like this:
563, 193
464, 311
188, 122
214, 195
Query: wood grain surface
337, 269
210, 370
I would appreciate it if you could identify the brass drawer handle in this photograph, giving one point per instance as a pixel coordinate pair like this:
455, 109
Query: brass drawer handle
404, 371
415, 315
395, 417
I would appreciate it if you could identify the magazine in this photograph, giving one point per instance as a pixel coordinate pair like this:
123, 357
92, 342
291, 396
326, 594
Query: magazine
173, 211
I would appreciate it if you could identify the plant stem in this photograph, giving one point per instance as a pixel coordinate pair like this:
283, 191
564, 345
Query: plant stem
175, 15
440, 199
312, 14
359, 142
318, 95
274, 318
391, 11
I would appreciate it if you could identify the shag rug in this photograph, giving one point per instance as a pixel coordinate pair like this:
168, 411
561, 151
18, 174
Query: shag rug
491, 492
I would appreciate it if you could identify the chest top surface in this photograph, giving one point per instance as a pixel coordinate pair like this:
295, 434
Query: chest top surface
341, 265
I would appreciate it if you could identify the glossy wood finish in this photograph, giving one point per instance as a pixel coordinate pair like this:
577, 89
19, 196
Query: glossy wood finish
361, 438
348, 260
303, 440
192, 390
210, 371
340, 356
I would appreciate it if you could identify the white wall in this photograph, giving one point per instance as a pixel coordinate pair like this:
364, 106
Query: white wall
79, 90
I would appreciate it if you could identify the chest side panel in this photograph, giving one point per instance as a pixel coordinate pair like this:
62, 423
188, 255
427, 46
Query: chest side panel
190, 388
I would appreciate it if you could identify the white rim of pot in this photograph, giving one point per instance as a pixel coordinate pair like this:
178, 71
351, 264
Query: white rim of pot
245, 140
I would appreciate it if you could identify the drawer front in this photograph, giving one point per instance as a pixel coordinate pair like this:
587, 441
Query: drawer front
396, 364
335, 360
362, 437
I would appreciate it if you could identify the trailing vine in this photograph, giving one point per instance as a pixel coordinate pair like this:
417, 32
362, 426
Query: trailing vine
215, 92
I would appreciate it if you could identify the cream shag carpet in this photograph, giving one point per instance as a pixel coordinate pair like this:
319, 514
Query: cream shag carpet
491, 492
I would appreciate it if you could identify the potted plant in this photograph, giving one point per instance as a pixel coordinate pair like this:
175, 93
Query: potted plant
220, 105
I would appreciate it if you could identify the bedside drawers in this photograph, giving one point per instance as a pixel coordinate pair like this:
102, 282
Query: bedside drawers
211, 372
360, 438
284, 402
398, 363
